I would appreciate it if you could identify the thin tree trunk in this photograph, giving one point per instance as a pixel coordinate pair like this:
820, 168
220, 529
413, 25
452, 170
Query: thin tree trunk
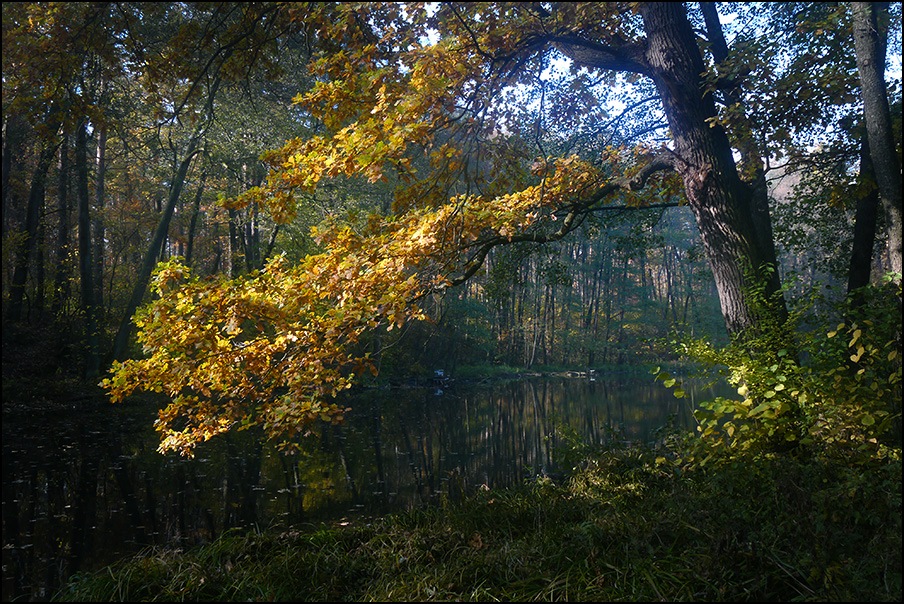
193, 223
12, 137
865, 221
40, 271
608, 276
26, 250
61, 285
271, 243
98, 222
120, 344
121, 341
218, 249
234, 244
249, 236
86, 265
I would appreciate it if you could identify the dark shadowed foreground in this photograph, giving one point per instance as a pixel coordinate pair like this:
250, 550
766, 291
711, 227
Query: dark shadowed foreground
624, 528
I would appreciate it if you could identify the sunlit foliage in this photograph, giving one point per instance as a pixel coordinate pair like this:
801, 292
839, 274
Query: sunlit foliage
274, 347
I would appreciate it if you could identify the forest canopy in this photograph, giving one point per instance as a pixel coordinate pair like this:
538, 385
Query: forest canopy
242, 205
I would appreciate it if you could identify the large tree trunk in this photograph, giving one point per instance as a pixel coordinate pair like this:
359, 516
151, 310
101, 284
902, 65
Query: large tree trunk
722, 204
750, 165
870, 51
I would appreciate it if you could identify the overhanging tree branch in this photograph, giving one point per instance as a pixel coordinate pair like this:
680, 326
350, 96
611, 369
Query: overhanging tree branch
628, 57
573, 217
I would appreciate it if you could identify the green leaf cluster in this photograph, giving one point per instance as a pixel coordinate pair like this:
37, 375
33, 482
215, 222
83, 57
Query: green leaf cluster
812, 392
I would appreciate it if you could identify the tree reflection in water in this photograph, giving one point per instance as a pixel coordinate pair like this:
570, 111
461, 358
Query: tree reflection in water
81, 490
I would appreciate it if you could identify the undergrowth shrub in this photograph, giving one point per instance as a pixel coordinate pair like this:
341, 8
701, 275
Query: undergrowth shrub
820, 391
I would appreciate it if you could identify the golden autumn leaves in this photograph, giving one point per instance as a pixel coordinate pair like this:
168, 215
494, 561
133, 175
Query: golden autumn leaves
274, 348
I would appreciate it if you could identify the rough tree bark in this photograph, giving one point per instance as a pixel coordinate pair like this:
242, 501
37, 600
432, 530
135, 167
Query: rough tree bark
870, 53
735, 229
865, 220
722, 203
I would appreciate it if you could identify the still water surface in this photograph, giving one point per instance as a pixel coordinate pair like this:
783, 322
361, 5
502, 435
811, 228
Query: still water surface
85, 488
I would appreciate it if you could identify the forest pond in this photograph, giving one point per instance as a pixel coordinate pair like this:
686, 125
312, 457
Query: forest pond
82, 489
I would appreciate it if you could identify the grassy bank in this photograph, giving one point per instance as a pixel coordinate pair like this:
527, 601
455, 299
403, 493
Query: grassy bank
626, 525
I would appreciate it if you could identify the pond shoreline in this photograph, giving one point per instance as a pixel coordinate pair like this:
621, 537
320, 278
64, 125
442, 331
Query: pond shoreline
29, 395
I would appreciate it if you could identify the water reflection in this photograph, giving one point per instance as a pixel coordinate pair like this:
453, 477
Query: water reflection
84, 489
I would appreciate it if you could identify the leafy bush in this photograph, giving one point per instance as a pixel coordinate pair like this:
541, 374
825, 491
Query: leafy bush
815, 392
